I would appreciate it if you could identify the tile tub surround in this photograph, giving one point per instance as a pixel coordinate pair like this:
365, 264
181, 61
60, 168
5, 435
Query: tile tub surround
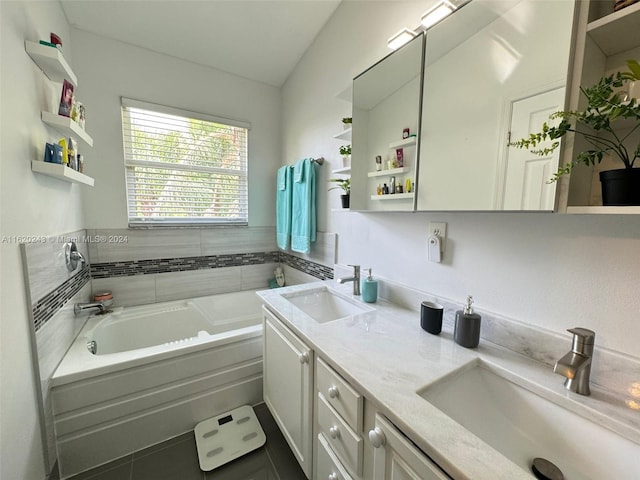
196, 262
407, 360
51, 293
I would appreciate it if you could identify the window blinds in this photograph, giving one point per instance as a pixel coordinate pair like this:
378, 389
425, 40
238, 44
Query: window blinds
183, 168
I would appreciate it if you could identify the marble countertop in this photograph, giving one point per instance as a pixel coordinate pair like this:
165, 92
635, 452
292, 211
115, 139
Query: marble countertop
389, 359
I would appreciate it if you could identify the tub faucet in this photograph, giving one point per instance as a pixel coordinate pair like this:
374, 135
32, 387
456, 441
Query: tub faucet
576, 365
355, 279
78, 308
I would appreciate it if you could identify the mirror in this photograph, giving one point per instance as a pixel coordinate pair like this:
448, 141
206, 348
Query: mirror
386, 108
491, 68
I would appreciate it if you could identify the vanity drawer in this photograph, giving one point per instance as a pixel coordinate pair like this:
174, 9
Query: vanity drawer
347, 445
329, 467
340, 395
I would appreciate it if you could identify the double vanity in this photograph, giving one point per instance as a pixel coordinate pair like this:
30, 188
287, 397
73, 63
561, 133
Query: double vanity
360, 391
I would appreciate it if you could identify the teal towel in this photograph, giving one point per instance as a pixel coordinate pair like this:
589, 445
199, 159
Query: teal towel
283, 207
303, 208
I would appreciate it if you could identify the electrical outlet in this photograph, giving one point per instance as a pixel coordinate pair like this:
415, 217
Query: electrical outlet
439, 229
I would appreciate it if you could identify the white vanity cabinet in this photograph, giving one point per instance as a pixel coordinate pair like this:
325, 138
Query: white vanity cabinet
339, 421
395, 457
288, 386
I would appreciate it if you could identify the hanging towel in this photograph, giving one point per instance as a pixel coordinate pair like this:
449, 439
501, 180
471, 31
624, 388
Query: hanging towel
283, 207
303, 208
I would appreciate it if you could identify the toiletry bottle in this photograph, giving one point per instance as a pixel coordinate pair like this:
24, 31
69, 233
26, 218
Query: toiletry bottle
369, 289
385, 189
407, 187
392, 185
379, 189
467, 327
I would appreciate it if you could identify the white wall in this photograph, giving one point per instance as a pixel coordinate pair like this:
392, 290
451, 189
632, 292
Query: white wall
109, 69
548, 270
31, 204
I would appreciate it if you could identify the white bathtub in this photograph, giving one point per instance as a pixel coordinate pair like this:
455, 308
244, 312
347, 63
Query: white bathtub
158, 370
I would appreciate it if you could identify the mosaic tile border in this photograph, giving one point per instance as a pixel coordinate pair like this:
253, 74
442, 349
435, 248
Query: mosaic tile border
130, 268
46, 307
311, 268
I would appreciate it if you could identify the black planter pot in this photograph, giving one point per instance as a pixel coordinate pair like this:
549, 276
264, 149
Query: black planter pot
345, 201
621, 187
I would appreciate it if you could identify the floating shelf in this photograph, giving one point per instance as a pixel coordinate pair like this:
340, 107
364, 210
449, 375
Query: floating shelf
51, 62
392, 171
342, 171
393, 196
61, 172
66, 126
618, 31
405, 142
345, 135
600, 210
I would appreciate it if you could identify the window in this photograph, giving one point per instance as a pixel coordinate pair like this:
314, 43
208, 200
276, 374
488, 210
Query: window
183, 168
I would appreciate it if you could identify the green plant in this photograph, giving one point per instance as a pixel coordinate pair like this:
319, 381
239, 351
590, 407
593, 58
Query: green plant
345, 150
595, 123
343, 183
347, 120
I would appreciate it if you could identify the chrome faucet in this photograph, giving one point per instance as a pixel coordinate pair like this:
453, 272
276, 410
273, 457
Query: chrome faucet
355, 279
576, 365
78, 308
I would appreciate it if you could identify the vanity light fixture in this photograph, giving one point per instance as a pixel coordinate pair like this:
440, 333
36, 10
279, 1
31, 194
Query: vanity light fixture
399, 39
439, 11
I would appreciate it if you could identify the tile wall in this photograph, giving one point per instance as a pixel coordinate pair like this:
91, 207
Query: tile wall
51, 292
146, 266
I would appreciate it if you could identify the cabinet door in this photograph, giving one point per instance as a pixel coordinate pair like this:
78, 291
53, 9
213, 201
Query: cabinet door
395, 458
288, 386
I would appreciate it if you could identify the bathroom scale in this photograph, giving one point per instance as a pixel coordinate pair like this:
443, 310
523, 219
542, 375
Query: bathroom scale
228, 436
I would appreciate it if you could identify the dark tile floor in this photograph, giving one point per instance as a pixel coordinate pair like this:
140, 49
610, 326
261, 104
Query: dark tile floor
177, 459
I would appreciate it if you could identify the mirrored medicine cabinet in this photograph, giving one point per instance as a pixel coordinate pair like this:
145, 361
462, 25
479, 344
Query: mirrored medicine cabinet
491, 71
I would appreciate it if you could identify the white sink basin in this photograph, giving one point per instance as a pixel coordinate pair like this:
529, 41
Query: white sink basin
325, 305
523, 425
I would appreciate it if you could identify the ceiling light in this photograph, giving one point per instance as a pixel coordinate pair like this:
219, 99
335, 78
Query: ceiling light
437, 13
399, 39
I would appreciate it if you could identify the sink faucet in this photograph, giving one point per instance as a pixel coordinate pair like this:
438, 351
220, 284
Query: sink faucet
78, 308
355, 279
576, 365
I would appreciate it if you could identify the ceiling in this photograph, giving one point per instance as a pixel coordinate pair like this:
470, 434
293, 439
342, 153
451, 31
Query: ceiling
261, 40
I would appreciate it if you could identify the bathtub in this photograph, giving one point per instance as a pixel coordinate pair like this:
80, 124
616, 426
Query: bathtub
157, 371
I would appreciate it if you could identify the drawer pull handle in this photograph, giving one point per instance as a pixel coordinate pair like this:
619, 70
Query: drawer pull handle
333, 476
333, 392
376, 437
334, 432
304, 358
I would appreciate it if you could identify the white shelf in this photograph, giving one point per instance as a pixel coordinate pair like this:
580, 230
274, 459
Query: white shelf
61, 172
405, 142
393, 196
51, 62
344, 135
599, 210
391, 171
342, 171
66, 126
618, 31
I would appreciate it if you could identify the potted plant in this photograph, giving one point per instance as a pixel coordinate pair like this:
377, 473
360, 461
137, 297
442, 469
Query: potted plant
345, 151
346, 122
345, 185
607, 105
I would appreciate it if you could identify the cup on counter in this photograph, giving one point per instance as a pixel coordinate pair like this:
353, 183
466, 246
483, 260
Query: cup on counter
431, 317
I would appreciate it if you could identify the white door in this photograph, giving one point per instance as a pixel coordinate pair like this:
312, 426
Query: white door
527, 174
394, 458
288, 382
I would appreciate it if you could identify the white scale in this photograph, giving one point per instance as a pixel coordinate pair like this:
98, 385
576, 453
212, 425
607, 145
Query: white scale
228, 436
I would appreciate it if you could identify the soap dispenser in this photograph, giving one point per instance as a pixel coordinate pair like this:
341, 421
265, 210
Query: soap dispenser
369, 289
466, 331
